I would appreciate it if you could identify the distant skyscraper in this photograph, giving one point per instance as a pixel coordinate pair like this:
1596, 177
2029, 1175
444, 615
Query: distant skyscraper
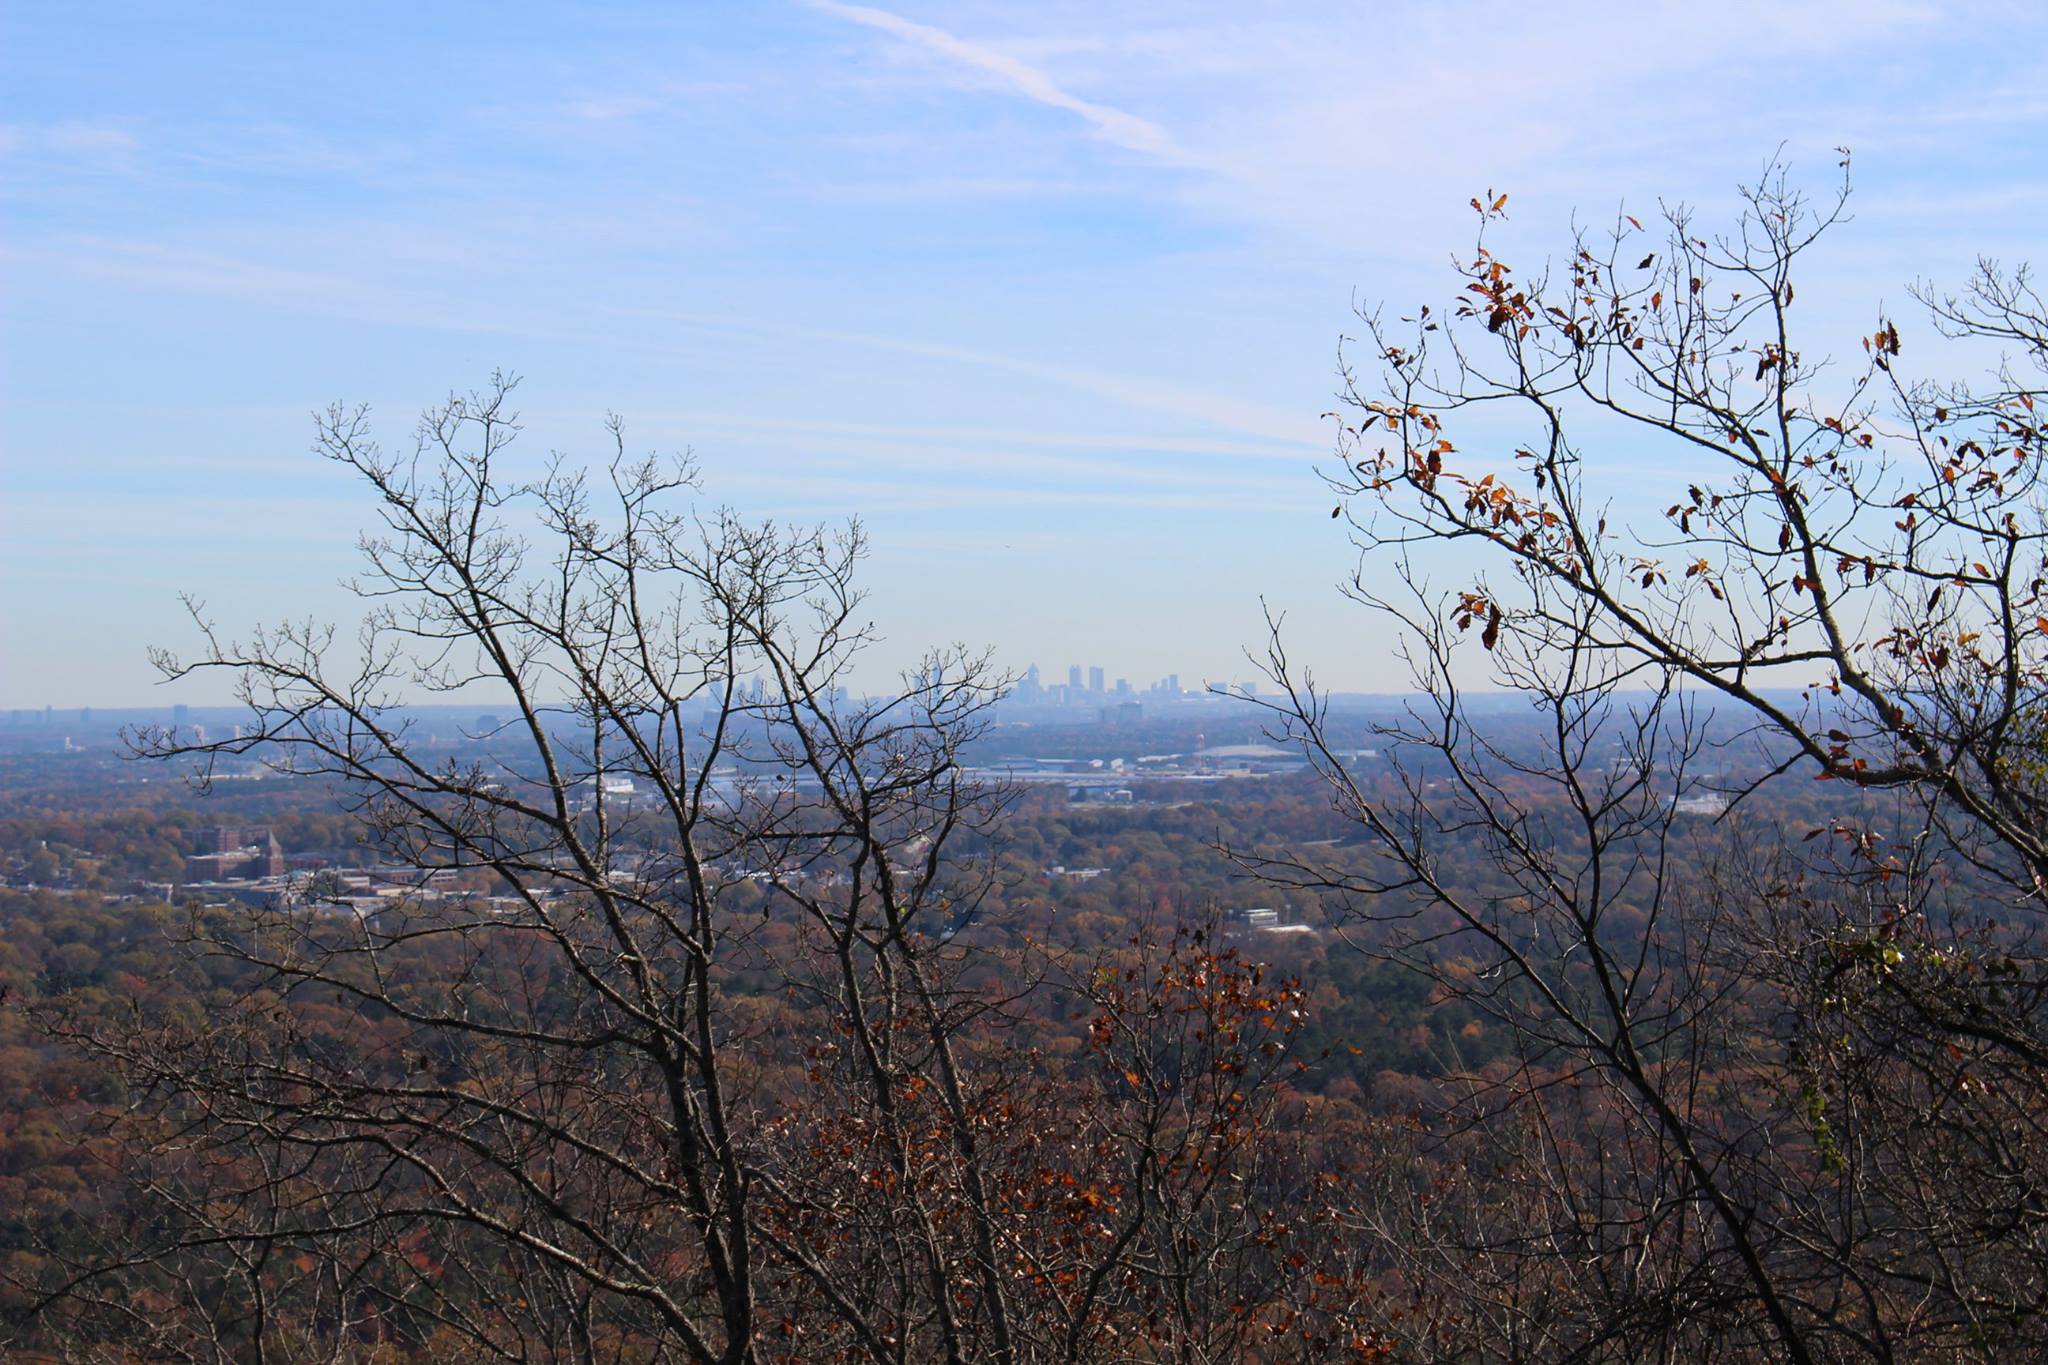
1074, 677
180, 714
1095, 680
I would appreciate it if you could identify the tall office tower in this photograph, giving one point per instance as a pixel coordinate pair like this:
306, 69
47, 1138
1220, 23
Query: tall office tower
180, 714
1173, 685
1095, 681
1074, 677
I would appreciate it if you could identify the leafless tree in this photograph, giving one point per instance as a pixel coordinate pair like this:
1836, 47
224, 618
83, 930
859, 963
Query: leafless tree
1770, 1100
556, 1101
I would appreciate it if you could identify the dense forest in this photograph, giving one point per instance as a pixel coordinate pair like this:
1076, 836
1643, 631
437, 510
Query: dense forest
1339, 1061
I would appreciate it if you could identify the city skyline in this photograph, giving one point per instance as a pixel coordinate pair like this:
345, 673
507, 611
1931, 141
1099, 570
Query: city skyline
1027, 686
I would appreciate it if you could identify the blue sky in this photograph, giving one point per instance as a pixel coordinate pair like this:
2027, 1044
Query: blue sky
1049, 295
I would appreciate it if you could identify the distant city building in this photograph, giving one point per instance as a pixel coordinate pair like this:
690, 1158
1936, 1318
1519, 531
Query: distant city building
225, 851
1095, 677
1701, 803
1074, 678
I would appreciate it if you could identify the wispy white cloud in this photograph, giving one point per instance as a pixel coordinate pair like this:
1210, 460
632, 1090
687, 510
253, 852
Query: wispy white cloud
1350, 127
67, 138
89, 138
811, 496
954, 435
621, 106
1136, 391
955, 189
1143, 393
1126, 130
606, 109
401, 301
